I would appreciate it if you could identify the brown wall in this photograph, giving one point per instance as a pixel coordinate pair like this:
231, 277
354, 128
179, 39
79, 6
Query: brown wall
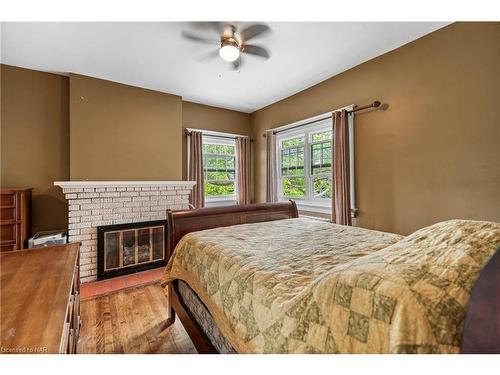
199, 116
121, 132
35, 140
434, 153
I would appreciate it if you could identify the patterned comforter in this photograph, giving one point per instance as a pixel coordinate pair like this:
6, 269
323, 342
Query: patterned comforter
305, 286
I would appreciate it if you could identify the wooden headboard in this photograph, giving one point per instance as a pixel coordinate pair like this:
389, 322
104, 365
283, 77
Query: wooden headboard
180, 223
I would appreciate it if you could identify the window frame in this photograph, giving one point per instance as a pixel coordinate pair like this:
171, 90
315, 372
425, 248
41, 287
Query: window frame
221, 200
309, 202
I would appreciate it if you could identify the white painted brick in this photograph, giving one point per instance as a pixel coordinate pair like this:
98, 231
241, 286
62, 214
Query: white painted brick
88, 242
75, 219
91, 206
71, 196
110, 189
168, 192
146, 188
87, 267
129, 194
91, 218
130, 189
113, 205
85, 254
132, 204
100, 190
157, 208
88, 195
88, 230
140, 199
98, 200
137, 189
89, 190
81, 237
79, 225
80, 201
72, 190
124, 220
108, 194
129, 215
149, 193
121, 189
122, 209
101, 223
73, 232
79, 213
84, 261
73, 207
112, 217
102, 211
122, 199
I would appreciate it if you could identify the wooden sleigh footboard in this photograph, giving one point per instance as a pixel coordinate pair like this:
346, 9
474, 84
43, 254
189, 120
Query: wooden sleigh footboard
179, 223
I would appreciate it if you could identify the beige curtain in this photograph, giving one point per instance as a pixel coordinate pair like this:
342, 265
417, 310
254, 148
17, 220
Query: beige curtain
341, 202
195, 168
243, 169
271, 178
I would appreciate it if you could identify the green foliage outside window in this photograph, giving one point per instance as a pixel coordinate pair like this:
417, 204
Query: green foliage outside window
293, 169
219, 169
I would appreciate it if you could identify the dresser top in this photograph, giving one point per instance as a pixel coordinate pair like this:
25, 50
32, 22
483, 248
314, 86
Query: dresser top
13, 190
35, 288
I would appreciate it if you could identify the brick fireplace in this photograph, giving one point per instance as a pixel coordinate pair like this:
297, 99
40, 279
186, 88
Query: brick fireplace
93, 204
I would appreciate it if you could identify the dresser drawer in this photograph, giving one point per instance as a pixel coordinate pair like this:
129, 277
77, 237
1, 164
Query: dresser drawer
8, 233
7, 199
8, 213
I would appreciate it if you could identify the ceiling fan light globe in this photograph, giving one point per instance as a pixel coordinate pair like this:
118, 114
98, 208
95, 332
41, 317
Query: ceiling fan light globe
229, 53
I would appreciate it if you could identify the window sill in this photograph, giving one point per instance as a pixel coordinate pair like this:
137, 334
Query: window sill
311, 206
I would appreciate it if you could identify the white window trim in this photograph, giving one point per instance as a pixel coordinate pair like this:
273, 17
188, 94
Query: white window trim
309, 202
319, 205
225, 200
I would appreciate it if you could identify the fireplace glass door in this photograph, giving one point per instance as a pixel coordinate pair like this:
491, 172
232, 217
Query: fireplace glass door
130, 247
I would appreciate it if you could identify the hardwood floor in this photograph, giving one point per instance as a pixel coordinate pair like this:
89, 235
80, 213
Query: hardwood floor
131, 321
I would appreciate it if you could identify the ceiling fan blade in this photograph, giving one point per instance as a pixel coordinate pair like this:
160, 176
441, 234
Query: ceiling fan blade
253, 31
208, 56
255, 50
200, 39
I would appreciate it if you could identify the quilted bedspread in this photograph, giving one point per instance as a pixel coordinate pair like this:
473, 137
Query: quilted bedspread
305, 286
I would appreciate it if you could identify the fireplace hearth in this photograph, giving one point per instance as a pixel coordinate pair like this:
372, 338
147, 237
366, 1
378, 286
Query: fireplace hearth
131, 247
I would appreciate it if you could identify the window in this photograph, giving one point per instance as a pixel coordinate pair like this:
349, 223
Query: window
219, 168
305, 165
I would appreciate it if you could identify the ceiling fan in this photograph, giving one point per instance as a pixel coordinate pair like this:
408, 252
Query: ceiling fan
231, 42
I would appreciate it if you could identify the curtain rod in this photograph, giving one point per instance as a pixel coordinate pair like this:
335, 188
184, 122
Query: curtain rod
375, 104
215, 134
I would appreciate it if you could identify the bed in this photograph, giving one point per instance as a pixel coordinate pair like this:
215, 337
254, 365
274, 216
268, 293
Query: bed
259, 279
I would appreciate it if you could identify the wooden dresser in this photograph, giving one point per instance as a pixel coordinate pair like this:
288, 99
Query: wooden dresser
15, 218
40, 299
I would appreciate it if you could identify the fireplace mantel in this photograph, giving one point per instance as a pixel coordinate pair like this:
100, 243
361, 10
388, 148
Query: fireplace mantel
105, 184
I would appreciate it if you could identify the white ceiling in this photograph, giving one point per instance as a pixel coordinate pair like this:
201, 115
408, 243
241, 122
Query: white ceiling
153, 55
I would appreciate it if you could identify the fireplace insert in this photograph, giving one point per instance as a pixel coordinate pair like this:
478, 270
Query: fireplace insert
129, 248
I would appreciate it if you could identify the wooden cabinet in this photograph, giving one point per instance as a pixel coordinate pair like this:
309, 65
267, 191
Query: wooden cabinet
40, 299
15, 218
